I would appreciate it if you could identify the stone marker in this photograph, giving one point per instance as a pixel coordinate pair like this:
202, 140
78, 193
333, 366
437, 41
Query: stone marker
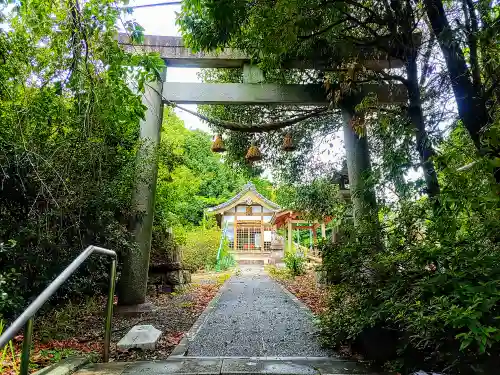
141, 337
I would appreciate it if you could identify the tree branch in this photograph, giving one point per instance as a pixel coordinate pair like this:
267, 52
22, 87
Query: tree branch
394, 77
359, 23
427, 56
368, 10
322, 31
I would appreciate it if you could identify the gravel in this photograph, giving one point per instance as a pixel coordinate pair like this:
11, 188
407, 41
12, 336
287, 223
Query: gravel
254, 317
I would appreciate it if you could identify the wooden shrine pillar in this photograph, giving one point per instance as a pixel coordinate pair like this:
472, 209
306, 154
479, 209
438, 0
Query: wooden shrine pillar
290, 236
261, 233
323, 230
235, 237
285, 239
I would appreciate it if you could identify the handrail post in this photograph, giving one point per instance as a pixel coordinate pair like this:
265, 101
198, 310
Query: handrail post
26, 318
109, 311
26, 351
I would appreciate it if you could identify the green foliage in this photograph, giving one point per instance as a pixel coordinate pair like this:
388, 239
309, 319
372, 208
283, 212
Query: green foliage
7, 351
60, 323
200, 248
226, 262
295, 262
9, 299
432, 290
69, 126
316, 199
283, 25
278, 273
190, 176
56, 355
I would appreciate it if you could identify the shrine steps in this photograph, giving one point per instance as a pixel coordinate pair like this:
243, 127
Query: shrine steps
249, 257
230, 366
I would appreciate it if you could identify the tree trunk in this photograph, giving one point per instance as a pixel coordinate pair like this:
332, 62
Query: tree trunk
416, 116
134, 277
470, 103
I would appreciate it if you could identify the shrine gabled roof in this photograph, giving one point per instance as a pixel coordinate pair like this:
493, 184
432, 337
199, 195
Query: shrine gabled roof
248, 188
281, 218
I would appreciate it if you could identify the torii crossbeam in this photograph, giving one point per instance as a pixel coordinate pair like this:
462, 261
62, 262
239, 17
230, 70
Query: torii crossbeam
172, 50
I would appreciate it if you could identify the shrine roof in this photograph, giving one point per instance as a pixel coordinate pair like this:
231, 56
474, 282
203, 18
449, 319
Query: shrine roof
249, 191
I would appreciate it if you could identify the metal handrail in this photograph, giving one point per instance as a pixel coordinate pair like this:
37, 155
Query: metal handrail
26, 318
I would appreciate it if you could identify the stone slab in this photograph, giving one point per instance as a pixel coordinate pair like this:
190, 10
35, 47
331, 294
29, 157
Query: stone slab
241, 366
112, 368
176, 366
134, 310
334, 366
255, 366
65, 367
287, 367
141, 337
231, 366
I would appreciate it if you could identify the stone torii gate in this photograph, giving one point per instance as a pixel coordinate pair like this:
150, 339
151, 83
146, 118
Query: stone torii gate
251, 92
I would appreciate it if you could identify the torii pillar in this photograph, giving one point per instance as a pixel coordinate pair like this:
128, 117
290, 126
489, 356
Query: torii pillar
134, 278
358, 163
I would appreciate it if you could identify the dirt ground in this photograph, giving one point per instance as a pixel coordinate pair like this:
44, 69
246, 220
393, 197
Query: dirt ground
175, 314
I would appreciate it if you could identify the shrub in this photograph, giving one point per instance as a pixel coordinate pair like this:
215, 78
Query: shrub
428, 299
278, 273
9, 300
67, 168
7, 353
295, 262
200, 248
164, 247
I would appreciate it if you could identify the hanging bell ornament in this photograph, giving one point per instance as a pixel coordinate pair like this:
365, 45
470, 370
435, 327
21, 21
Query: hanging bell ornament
253, 153
288, 143
218, 145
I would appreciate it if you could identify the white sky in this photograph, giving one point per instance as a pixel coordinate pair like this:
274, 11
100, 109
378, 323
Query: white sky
160, 20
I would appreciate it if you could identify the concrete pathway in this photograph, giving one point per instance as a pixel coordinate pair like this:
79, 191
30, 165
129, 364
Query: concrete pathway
254, 320
254, 317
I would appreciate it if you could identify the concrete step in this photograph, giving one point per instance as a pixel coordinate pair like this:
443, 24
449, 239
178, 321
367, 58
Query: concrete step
250, 261
230, 366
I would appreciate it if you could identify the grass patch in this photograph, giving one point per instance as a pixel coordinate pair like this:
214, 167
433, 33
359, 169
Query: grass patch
8, 358
186, 305
278, 273
62, 322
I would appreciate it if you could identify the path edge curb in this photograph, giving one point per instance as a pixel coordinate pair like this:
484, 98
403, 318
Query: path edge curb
294, 298
66, 366
181, 349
